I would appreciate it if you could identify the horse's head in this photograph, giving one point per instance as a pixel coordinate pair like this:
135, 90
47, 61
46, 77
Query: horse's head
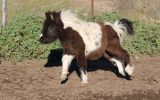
52, 26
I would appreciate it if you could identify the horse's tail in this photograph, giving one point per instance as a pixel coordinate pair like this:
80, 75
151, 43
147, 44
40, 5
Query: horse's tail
124, 28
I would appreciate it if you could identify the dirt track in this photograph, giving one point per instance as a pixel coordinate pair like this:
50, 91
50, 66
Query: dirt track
30, 80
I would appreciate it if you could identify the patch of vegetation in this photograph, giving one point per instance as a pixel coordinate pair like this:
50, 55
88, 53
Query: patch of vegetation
19, 39
146, 40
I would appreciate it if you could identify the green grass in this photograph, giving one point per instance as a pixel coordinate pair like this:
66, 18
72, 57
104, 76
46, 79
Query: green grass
19, 39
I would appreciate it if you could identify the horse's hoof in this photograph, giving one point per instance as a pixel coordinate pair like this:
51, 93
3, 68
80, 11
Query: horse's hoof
83, 84
63, 77
122, 73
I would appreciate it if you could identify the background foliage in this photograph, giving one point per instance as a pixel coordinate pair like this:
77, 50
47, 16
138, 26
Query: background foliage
19, 39
146, 39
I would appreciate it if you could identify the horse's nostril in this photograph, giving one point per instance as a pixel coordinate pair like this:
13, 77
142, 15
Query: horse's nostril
40, 35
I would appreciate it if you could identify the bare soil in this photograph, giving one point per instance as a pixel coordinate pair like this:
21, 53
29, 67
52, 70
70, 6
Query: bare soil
40, 80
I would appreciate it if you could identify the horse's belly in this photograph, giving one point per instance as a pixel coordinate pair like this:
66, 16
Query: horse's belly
95, 54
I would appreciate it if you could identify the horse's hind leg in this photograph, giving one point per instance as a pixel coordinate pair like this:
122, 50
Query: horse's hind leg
117, 63
120, 57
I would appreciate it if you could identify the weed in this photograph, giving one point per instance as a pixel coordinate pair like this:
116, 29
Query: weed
19, 39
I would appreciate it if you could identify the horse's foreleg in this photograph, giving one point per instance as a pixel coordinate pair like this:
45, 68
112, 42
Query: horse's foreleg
82, 61
66, 61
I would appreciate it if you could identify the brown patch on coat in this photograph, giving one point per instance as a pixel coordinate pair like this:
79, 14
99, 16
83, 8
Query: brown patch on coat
113, 47
73, 45
110, 46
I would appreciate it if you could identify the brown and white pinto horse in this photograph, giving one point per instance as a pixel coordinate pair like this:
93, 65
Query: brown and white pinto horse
87, 40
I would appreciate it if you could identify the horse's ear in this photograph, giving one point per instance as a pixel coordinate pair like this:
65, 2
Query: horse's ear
48, 14
59, 12
56, 13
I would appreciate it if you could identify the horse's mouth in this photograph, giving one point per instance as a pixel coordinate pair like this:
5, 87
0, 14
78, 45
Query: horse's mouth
45, 40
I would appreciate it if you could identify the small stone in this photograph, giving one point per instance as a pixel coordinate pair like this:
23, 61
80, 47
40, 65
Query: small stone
136, 57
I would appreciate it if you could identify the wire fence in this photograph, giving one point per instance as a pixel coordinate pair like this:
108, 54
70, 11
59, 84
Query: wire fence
143, 9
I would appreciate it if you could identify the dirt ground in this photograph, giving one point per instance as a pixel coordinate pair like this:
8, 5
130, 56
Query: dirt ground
40, 80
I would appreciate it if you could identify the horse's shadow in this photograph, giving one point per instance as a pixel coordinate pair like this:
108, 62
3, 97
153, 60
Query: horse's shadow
54, 60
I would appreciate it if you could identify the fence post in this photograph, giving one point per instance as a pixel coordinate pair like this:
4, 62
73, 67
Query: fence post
3, 12
92, 9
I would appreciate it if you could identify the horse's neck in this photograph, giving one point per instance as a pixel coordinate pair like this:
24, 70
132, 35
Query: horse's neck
62, 35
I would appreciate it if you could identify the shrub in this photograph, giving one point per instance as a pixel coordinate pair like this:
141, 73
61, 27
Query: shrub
19, 39
146, 39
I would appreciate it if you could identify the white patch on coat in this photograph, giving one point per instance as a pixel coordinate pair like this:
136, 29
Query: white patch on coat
89, 31
66, 61
119, 65
120, 29
129, 69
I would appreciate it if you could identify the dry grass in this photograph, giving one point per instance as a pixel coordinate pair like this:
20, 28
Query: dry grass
142, 9
27, 7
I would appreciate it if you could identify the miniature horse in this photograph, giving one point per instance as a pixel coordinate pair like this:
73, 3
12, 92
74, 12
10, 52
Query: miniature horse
87, 40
